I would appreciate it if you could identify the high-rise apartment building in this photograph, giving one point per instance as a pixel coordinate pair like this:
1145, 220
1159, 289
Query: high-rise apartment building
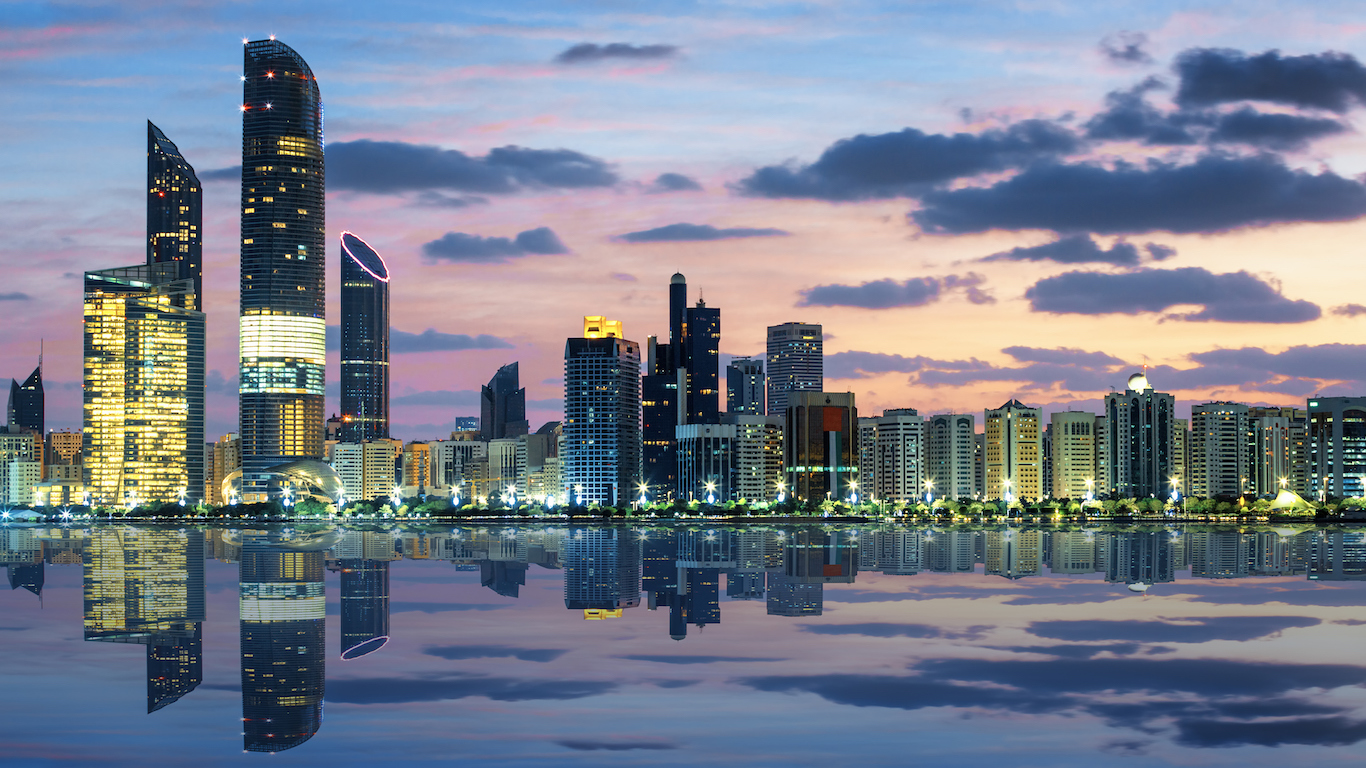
227, 458
891, 452
795, 362
367, 469
949, 451
1012, 458
1181, 453
1278, 450
1074, 454
758, 455
364, 342
502, 405
1220, 450
745, 386
143, 386
1337, 446
602, 441
283, 290
820, 446
1139, 447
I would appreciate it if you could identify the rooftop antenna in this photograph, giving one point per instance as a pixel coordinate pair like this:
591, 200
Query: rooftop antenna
40, 357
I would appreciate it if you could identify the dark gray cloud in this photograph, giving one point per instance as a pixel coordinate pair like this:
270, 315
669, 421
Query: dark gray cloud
861, 365
1214, 194
673, 182
430, 340
1080, 249
907, 163
1210, 76
398, 690
1125, 47
1185, 630
1349, 310
391, 167
1235, 297
1316, 731
218, 384
685, 659
458, 246
684, 232
591, 745
1075, 651
432, 199
884, 629
1129, 116
231, 173
888, 293
1320, 361
1278, 132
1063, 356
590, 53
15, 296
460, 652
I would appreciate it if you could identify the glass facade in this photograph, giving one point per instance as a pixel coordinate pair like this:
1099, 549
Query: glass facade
174, 211
283, 290
143, 387
602, 442
364, 342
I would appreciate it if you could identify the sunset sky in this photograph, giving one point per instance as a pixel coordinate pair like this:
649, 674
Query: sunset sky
978, 200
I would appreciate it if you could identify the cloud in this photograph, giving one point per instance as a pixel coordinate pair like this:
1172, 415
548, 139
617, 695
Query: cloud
1063, 356
431, 199
218, 384
432, 340
887, 630
1184, 630
1214, 194
391, 167
460, 652
1076, 651
1126, 47
624, 277
231, 173
684, 659
1210, 76
458, 246
1273, 131
588, 745
909, 162
438, 397
1234, 297
591, 53
888, 293
1078, 249
673, 182
1319, 731
683, 232
397, 690
1349, 310
15, 296
408, 606
1328, 362
1128, 115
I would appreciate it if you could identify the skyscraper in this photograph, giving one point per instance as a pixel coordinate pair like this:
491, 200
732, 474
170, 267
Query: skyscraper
364, 607
1012, 457
1140, 441
175, 216
26, 402
796, 363
820, 449
745, 386
364, 342
891, 453
1219, 450
143, 386
502, 406
1074, 455
950, 455
283, 290
1337, 446
601, 457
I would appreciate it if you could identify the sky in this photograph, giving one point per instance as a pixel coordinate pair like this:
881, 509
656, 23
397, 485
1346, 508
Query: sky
977, 200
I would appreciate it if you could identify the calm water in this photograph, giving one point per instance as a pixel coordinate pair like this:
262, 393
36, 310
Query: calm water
802, 646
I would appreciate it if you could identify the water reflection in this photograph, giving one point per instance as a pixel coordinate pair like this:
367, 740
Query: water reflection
146, 585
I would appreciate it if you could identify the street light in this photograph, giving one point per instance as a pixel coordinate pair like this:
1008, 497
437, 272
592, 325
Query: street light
929, 491
1090, 489
578, 495
781, 488
1176, 489
1005, 484
711, 498
853, 491
644, 489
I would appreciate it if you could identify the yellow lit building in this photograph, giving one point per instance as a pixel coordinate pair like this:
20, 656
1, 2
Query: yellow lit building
144, 387
1013, 452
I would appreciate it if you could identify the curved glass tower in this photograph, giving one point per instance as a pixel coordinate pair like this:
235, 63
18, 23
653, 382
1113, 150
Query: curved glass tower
364, 342
283, 312
175, 215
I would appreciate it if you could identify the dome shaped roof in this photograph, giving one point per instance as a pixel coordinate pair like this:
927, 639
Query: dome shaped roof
1139, 382
1139, 587
677, 279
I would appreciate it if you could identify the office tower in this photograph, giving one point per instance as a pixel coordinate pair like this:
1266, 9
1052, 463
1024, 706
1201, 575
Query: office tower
681, 383
502, 406
795, 362
1337, 446
601, 457
820, 445
504, 577
26, 403
1336, 555
1140, 557
364, 342
707, 466
745, 386
364, 606
1013, 554
144, 386
283, 628
601, 569
949, 453
891, 450
1219, 450
1012, 460
283, 291
1074, 455
175, 204
1279, 437
1139, 441
758, 456
147, 587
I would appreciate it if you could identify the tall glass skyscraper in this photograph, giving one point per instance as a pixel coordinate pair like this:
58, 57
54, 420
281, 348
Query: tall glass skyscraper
502, 405
601, 456
283, 310
26, 409
364, 342
175, 215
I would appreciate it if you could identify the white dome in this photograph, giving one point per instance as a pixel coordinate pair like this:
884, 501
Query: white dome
1139, 587
1139, 382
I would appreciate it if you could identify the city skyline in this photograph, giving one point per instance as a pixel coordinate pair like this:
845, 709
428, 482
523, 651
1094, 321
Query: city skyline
597, 202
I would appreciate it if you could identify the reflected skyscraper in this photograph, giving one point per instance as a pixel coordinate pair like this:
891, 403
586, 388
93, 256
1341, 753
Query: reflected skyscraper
364, 342
790, 597
503, 577
364, 607
283, 291
283, 630
1337, 556
1139, 557
601, 569
175, 666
